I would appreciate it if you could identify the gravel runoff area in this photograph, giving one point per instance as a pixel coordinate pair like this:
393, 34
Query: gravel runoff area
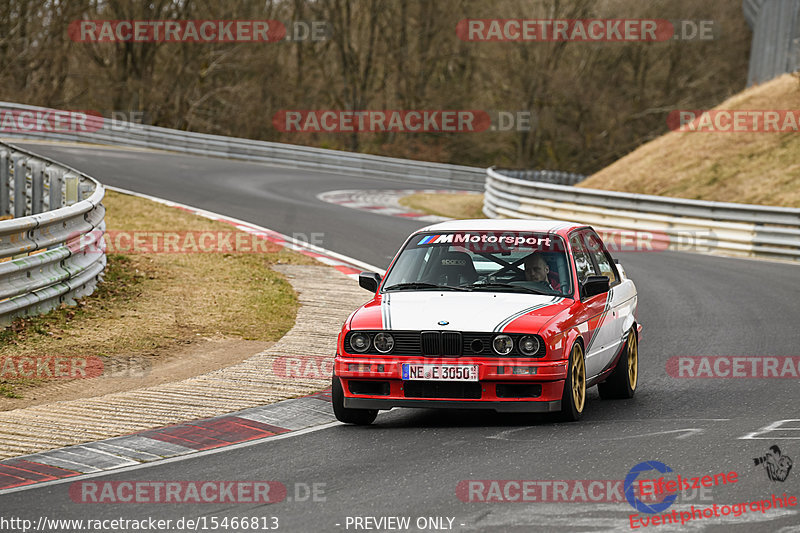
326, 296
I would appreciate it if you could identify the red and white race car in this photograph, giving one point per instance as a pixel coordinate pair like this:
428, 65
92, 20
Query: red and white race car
510, 315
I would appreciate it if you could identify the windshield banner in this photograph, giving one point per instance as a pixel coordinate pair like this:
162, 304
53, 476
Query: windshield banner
494, 242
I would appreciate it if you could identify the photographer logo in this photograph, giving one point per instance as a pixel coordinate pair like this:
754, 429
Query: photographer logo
777, 465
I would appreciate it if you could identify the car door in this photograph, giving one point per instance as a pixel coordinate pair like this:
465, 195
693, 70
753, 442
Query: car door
622, 293
600, 329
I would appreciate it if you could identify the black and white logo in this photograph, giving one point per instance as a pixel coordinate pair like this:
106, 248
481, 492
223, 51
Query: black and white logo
777, 466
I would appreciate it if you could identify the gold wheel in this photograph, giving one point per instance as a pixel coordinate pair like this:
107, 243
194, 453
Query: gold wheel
633, 360
578, 378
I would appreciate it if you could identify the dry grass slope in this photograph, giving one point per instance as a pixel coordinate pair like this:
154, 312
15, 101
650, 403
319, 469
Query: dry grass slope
757, 168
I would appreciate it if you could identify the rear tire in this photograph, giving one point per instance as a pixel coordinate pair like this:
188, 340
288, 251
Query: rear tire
573, 399
361, 417
621, 384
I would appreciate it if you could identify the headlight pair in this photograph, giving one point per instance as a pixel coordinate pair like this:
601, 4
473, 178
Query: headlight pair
361, 342
504, 344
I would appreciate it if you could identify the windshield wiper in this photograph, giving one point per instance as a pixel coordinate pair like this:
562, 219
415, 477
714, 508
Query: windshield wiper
506, 286
422, 285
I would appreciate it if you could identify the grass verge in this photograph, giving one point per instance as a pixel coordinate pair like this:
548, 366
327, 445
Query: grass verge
151, 304
453, 205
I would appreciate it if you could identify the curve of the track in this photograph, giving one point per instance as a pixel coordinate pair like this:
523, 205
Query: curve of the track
410, 462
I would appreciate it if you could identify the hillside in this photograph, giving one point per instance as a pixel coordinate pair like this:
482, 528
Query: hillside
759, 168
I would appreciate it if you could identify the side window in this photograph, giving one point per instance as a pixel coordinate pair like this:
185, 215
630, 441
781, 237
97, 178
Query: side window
583, 262
595, 246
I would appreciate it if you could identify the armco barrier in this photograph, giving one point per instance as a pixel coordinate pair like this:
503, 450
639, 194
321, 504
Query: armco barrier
52, 250
100, 131
546, 176
95, 129
737, 229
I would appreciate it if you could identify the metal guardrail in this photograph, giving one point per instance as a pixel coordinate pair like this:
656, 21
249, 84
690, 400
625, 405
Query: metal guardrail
52, 251
546, 176
100, 131
95, 129
737, 229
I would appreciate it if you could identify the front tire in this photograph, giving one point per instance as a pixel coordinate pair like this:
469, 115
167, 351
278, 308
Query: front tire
573, 398
621, 384
361, 417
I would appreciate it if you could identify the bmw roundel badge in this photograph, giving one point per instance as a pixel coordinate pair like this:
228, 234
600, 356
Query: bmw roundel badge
443, 322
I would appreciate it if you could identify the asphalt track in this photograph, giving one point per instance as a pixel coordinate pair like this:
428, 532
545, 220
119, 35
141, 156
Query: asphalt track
410, 462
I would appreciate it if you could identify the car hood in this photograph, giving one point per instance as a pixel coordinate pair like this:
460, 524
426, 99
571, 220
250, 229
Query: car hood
462, 311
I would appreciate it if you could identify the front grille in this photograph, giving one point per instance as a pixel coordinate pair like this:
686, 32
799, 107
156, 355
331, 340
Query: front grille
431, 344
443, 344
451, 343
442, 389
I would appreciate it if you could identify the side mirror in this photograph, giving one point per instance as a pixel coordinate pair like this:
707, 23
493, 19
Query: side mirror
371, 280
594, 285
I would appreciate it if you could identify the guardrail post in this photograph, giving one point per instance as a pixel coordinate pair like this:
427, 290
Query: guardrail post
71, 189
56, 188
5, 201
20, 175
37, 188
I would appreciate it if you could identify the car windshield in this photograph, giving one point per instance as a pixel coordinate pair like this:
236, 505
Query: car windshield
507, 261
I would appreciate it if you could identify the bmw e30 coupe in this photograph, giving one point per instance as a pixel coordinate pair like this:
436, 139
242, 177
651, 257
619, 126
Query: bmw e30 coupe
509, 315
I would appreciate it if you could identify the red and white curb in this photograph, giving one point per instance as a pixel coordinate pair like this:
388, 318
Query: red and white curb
152, 445
385, 202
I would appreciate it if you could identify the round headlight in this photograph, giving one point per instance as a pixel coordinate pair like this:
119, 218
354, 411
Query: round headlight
384, 342
529, 345
359, 342
502, 345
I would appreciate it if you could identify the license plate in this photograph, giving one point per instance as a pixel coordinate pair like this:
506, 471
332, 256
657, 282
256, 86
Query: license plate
414, 372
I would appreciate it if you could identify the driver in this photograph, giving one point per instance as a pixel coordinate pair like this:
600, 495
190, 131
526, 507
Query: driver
537, 269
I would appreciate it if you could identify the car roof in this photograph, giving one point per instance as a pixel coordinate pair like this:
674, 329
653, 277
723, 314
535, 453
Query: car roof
561, 227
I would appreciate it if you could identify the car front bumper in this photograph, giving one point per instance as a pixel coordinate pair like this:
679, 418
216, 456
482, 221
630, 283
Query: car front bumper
371, 382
